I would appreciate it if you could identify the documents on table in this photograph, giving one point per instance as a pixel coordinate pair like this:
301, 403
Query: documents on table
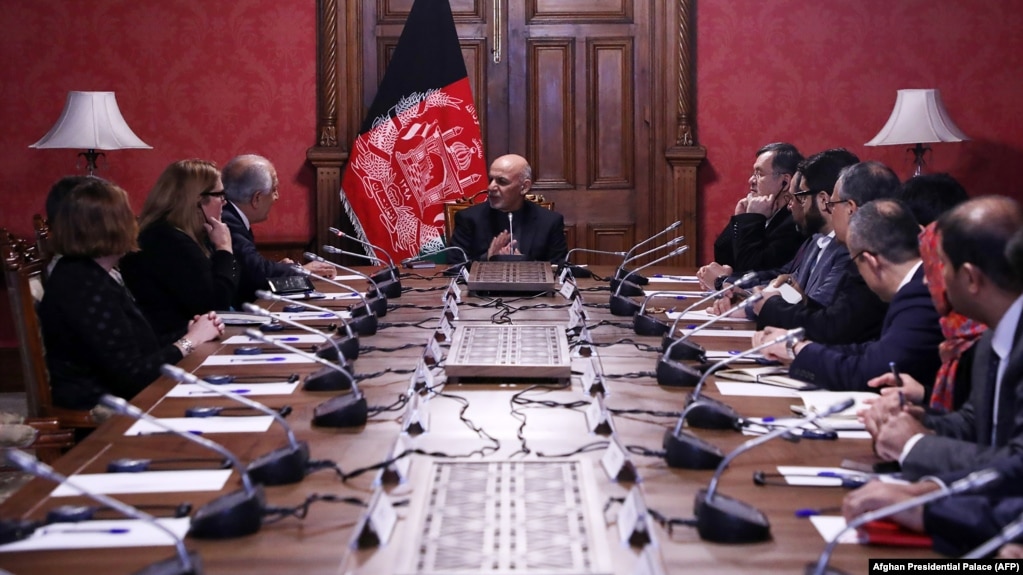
146, 482
740, 333
97, 534
295, 339
325, 296
818, 401
753, 389
845, 429
203, 425
701, 315
261, 359
772, 375
667, 278
270, 388
311, 315
829, 526
684, 294
720, 354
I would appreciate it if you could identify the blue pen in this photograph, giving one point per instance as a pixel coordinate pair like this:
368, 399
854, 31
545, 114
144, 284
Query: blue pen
204, 392
808, 512
111, 531
247, 359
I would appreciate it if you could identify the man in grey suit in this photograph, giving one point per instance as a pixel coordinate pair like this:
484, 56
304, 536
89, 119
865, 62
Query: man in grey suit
982, 286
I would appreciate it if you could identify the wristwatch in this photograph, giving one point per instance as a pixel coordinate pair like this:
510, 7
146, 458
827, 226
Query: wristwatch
790, 346
186, 345
719, 282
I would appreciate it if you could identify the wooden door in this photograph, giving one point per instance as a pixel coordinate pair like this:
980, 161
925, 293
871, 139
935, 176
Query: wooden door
596, 94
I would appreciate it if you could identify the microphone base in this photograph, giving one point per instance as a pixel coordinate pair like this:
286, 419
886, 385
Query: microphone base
686, 451
362, 323
638, 279
12, 530
684, 349
578, 271
627, 288
643, 324
389, 288
622, 306
173, 566
233, 515
674, 374
387, 274
328, 379
723, 519
349, 348
282, 466
342, 411
709, 413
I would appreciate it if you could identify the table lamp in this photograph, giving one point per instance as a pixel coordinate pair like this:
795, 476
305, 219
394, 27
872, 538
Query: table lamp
90, 121
919, 118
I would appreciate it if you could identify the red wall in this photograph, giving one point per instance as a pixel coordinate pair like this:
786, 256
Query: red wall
213, 78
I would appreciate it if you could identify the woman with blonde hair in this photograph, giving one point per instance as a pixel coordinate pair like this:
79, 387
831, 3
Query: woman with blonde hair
97, 340
185, 265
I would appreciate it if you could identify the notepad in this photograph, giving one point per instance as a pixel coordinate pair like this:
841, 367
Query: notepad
204, 425
247, 389
773, 375
146, 482
98, 534
261, 359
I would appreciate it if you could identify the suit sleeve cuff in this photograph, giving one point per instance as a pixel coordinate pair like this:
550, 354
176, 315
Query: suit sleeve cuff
909, 447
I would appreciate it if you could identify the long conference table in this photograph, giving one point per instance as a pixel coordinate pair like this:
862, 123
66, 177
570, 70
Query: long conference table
506, 453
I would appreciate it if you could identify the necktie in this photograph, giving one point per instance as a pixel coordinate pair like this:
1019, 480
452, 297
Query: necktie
996, 395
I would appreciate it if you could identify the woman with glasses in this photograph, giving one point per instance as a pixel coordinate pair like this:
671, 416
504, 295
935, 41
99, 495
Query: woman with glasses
97, 340
185, 266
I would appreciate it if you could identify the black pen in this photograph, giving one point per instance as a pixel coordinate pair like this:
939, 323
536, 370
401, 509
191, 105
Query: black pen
898, 383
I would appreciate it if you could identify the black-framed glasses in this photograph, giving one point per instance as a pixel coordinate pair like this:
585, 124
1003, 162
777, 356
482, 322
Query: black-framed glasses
828, 204
802, 195
860, 253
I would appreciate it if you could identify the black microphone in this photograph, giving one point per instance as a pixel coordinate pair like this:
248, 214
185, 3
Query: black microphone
391, 271
453, 270
670, 372
331, 377
686, 350
722, 519
640, 279
708, 413
376, 301
623, 306
280, 466
364, 317
581, 272
633, 288
348, 410
1006, 535
347, 347
183, 563
232, 515
388, 287
972, 481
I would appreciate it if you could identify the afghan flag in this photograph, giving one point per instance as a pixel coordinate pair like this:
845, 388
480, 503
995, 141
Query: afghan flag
420, 145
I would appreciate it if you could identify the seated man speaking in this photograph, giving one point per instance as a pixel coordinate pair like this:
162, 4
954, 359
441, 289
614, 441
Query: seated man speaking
507, 224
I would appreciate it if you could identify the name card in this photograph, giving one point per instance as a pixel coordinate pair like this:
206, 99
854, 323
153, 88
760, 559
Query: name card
445, 328
421, 380
597, 417
454, 290
649, 563
433, 353
451, 307
616, 463
396, 472
415, 421
376, 524
464, 274
569, 290
632, 520
593, 377
564, 273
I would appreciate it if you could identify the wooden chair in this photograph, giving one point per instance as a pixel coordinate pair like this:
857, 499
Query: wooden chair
452, 208
23, 272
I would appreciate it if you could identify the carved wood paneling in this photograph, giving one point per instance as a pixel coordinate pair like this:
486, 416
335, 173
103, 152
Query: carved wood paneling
548, 11
607, 237
396, 11
609, 90
551, 113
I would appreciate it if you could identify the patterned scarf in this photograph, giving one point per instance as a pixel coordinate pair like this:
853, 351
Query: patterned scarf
960, 331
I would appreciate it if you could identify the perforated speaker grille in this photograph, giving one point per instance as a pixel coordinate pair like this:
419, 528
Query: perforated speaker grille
509, 351
506, 518
511, 276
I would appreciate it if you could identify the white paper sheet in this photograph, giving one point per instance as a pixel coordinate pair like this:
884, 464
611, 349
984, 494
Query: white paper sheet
261, 359
204, 425
99, 534
803, 475
845, 430
146, 482
701, 315
743, 333
293, 339
668, 278
754, 389
682, 295
326, 296
247, 389
311, 315
829, 526
720, 354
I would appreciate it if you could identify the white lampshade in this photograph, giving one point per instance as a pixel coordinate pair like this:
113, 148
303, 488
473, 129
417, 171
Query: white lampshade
919, 117
91, 121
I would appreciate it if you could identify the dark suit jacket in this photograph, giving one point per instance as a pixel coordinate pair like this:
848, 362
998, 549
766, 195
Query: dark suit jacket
540, 232
963, 437
173, 280
910, 336
840, 308
750, 242
961, 523
254, 269
97, 340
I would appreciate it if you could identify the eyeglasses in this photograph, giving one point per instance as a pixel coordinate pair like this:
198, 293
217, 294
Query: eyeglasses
857, 256
761, 175
802, 195
828, 204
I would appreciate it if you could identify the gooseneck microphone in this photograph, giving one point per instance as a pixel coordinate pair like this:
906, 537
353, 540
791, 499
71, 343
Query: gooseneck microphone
975, 480
708, 413
348, 410
1006, 535
628, 255
232, 515
722, 519
348, 347
623, 306
692, 350
183, 563
633, 288
364, 317
329, 378
279, 467
453, 270
392, 270
581, 272
670, 372
390, 287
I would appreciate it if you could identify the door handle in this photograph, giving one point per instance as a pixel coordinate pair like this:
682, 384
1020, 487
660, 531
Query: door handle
495, 52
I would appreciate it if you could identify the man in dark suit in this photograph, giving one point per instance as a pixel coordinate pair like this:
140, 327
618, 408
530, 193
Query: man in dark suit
507, 224
882, 237
251, 186
761, 233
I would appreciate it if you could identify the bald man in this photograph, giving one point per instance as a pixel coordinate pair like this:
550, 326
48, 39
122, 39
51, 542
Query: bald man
507, 224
